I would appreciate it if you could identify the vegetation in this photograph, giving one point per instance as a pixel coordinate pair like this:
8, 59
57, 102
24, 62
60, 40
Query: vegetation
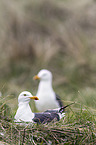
78, 127
59, 36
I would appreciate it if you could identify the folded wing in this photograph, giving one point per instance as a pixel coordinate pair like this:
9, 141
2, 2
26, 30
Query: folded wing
45, 117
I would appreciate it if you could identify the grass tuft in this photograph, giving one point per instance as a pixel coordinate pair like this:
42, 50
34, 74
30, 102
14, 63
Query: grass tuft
78, 127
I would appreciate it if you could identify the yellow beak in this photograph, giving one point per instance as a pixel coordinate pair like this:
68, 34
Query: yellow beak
34, 97
36, 78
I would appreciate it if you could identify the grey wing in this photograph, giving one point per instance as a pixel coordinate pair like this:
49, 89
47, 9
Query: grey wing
53, 110
59, 101
45, 117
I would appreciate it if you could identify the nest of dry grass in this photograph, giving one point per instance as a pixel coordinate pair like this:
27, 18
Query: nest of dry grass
44, 134
74, 129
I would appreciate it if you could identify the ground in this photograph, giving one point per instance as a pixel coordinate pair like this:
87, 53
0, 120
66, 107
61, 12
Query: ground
59, 36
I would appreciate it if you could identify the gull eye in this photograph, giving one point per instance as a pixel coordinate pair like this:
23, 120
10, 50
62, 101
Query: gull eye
25, 95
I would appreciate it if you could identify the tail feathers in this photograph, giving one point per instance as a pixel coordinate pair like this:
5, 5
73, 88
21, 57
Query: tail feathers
62, 109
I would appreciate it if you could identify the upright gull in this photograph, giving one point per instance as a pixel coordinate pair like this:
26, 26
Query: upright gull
25, 114
48, 99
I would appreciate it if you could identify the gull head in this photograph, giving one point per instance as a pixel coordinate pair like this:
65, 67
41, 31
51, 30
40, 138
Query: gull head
43, 75
25, 97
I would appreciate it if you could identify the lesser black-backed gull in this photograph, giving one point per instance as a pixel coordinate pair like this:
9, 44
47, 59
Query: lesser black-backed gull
25, 114
48, 99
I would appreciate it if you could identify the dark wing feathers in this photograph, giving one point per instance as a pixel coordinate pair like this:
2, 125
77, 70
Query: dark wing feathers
59, 110
59, 101
45, 117
52, 110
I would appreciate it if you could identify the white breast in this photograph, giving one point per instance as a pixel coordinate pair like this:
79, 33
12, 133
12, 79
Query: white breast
47, 100
24, 113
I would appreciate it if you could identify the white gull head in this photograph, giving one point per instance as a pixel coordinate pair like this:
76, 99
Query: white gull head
45, 75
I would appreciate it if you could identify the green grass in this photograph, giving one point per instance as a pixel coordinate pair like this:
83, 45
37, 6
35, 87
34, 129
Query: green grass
78, 127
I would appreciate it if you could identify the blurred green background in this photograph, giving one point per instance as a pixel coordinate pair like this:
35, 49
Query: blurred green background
56, 35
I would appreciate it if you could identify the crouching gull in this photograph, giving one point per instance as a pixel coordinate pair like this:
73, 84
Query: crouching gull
24, 113
48, 99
